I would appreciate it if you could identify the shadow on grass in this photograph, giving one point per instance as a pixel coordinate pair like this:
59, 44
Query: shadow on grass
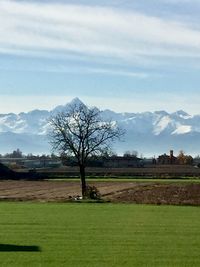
16, 248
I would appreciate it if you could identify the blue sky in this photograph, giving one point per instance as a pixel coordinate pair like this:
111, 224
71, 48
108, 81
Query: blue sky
124, 55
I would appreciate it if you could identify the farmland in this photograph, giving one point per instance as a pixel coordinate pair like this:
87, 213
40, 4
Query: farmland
98, 235
143, 191
39, 225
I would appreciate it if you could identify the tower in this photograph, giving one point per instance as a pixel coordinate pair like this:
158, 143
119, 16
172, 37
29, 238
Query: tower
171, 157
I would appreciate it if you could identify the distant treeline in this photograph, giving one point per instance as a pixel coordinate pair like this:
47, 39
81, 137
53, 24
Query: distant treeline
128, 159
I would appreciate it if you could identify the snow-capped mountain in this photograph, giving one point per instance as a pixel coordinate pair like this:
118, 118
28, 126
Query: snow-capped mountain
148, 132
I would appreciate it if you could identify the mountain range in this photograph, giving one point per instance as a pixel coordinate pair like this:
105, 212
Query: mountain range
150, 133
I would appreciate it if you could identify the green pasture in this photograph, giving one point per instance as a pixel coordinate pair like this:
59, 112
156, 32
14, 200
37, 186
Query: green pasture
131, 179
103, 235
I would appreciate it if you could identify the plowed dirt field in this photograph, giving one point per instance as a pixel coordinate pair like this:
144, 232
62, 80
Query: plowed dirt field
125, 192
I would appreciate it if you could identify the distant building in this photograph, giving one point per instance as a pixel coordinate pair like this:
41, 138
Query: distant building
167, 159
196, 161
122, 162
42, 163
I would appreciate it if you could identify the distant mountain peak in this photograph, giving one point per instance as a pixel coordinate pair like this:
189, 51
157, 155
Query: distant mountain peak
161, 112
182, 114
75, 101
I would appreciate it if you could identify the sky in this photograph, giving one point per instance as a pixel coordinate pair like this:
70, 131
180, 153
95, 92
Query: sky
128, 56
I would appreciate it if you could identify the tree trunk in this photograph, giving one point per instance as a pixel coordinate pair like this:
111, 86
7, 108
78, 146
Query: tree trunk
83, 182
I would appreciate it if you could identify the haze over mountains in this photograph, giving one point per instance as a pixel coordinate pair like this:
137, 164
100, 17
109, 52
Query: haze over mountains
150, 133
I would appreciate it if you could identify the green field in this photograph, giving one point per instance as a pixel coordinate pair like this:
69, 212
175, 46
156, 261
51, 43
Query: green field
131, 179
103, 235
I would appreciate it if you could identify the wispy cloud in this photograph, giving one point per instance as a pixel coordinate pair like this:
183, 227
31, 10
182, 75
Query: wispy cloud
141, 75
56, 68
48, 29
180, 1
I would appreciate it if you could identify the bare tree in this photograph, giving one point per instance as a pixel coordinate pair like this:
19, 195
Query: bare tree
81, 132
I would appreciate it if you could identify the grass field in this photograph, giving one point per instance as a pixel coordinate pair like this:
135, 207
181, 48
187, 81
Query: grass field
103, 235
132, 179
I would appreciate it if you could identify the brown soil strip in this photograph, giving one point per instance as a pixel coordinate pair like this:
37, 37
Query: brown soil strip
127, 192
